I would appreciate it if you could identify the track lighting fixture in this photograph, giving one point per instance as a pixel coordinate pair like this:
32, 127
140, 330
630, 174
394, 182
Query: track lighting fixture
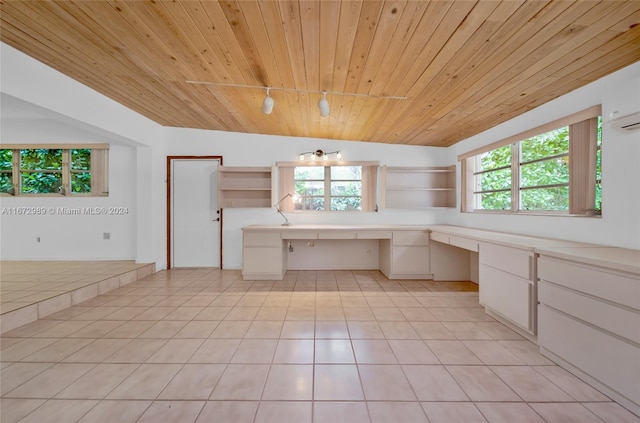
267, 104
323, 105
313, 155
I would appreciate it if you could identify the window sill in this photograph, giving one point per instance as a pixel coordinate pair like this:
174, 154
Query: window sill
532, 213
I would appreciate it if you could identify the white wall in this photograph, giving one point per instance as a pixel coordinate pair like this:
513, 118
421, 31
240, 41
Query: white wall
620, 221
263, 150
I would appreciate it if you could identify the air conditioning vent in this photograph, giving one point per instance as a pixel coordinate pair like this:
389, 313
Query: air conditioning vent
629, 123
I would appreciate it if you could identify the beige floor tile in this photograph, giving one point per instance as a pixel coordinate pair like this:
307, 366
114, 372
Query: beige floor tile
272, 313
409, 351
146, 382
264, 329
337, 383
379, 301
330, 313
526, 351
127, 313
388, 314
241, 382
193, 382
452, 352
610, 412
398, 330
252, 300
333, 412
433, 383
432, 330
163, 329
497, 330
565, 413
297, 330
184, 313
213, 313
130, 329
373, 352
231, 329
56, 411
530, 385
365, 330
349, 301
466, 330
18, 373
418, 314
172, 412
155, 313
508, 412
97, 382
63, 329
199, 301
58, 351
362, 314
136, 351
294, 351
51, 381
289, 382
242, 313
277, 412
452, 412
176, 351
255, 351
215, 351
397, 412
492, 352
197, 329
570, 384
385, 383
446, 315
97, 351
226, 300
228, 411
13, 410
333, 351
97, 329
481, 384
301, 313
108, 411
331, 330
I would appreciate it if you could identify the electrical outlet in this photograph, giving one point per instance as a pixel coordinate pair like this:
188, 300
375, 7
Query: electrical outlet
106, 235
311, 244
291, 247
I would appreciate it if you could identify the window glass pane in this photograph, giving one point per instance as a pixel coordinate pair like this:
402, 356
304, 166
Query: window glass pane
308, 172
81, 159
556, 198
41, 182
498, 179
494, 200
6, 182
346, 203
6, 159
547, 172
545, 145
598, 205
80, 182
309, 188
346, 172
310, 203
41, 159
499, 157
6, 167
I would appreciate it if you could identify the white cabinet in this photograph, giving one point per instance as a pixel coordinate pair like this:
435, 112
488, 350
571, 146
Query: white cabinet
245, 186
418, 187
507, 285
589, 322
408, 252
263, 256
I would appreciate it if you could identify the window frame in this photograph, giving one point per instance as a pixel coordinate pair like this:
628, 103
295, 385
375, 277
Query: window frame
99, 170
368, 194
583, 147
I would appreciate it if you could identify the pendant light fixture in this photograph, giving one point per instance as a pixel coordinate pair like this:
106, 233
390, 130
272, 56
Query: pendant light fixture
267, 104
323, 105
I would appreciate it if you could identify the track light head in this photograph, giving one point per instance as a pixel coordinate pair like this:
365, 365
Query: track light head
323, 105
267, 104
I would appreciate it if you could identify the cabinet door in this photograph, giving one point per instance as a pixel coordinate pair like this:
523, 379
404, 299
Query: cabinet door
262, 260
507, 294
410, 260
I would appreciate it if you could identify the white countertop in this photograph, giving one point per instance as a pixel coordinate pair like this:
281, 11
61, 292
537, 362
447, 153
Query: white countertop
335, 228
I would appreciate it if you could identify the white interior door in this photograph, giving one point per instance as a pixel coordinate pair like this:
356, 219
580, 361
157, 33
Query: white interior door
195, 226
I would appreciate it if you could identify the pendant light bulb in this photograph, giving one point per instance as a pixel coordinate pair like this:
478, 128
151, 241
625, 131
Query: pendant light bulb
338, 155
323, 105
267, 104
301, 156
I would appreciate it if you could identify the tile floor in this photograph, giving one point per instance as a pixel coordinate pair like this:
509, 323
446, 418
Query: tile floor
202, 345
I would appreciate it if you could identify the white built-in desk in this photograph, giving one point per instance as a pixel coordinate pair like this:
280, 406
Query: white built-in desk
403, 251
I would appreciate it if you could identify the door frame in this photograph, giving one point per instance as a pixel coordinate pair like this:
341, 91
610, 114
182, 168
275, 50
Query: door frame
170, 160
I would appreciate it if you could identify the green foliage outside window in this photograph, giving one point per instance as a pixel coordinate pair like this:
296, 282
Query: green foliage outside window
41, 171
6, 170
345, 188
81, 170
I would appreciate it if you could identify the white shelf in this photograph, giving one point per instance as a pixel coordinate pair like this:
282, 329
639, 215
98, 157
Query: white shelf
418, 187
245, 187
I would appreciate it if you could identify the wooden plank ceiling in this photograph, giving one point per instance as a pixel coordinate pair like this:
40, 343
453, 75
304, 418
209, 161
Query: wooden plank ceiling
464, 66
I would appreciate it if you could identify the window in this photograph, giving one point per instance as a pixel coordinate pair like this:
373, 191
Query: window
339, 186
554, 168
54, 170
328, 187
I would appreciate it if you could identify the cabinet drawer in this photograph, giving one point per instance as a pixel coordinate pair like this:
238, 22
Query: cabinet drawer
299, 235
606, 316
512, 260
606, 358
595, 281
437, 236
507, 294
374, 235
466, 243
411, 238
337, 235
262, 239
